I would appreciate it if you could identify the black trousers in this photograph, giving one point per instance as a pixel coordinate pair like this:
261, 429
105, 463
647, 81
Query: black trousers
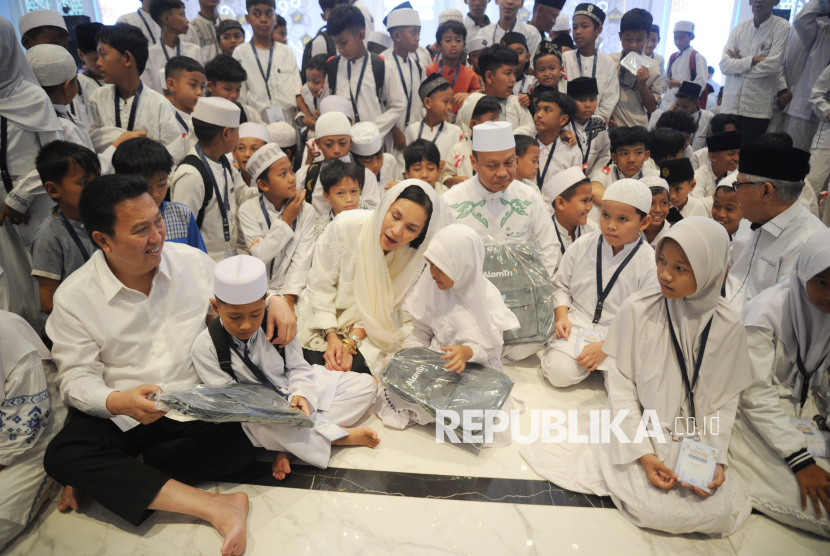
316, 358
753, 128
96, 457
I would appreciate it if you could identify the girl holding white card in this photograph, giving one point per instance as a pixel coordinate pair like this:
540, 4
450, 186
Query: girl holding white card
658, 332
776, 450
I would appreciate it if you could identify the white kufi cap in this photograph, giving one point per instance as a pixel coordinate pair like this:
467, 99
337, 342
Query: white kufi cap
555, 186
333, 123
686, 26
491, 137
40, 18
403, 17
562, 23
282, 134
631, 192
262, 159
240, 280
334, 103
216, 111
254, 130
52, 64
655, 181
381, 38
366, 139
450, 15
478, 43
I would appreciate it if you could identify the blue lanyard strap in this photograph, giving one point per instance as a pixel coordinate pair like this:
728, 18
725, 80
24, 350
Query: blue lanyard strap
437, 135
578, 233
224, 204
579, 63
681, 360
587, 151
133, 108
603, 294
454, 77
73, 234
407, 93
540, 178
178, 50
265, 76
147, 25
185, 129
352, 96
268, 223
496, 29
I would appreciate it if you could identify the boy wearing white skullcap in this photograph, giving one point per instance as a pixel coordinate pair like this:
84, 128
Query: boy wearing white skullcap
476, 109
626, 265
252, 137
240, 285
495, 204
277, 226
568, 194
206, 180
367, 150
334, 139
285, 137
660, 205
679, 64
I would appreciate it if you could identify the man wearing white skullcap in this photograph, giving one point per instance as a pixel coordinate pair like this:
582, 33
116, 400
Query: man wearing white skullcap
340, 397
367, 150
252, 137
334, 139
206, 180
678, 66
568, 194
277, 226
616, 261
494, 204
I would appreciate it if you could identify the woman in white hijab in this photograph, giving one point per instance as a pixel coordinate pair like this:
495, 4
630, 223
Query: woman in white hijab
648, 381
27, 117
455, 310
788, 329
364, 264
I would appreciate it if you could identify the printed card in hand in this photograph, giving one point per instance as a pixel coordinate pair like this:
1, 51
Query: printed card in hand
584, 337
327, 429
815, 441
696, 463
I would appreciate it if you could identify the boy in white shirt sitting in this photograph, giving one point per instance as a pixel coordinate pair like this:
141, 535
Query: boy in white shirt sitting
252, 137
367, 151
185, 81
724, 153
553, 112
591, 131
569, 195
437, 97
680, 176
687, 100
341, 190
497, 65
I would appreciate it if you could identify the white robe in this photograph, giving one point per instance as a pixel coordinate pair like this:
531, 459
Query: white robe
511, 111
450, 135
144, 22
600, 151
154, 71
370, 193
284, 82
608, 81
681, 71
202, 33
413, 76
564, 156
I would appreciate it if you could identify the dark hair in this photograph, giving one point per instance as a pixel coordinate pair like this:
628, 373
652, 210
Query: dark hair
204, 131
33, 33
417, 195
494, 57
281, 22
571, 191
102, 195
710, 68
775, 140
420, 150
563, 41
678, 120
485, 105
334, 170
438, 88
454, 27
56, 159
125, 38
225, 68
640, 213
330, 4
628, 137
657, 189
85, 34
178, 64
524, 142
160, 7
665, 142
251, 3
636, 20
565, 103
719, 122
142, 156
687, 96
317, 63
655, 29
49, 89
345, 18
725, 189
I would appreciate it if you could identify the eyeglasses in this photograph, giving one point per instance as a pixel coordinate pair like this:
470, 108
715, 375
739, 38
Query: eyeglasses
737, 184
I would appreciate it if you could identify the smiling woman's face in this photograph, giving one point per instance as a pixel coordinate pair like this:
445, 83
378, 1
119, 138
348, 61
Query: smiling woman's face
402, 223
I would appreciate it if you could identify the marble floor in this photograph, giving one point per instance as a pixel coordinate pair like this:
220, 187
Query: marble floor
410, 496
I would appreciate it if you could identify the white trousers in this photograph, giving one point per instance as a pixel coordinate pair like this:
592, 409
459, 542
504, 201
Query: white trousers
802, 131
354, 395
512, 354
561, 369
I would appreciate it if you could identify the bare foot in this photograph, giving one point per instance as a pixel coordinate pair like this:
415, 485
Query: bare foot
69, 499
230, 519
361, 436
281, 468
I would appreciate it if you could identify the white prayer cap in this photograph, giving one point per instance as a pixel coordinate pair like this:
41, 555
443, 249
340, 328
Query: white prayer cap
334, 103
381, 38
52, 64
477, 43
366, 139
655, 181
450, 15
686, 26
216, 111
562, 23
254, 130
262, 159
240, 280
557, 185
728, 181
40, 18
491, 137
333, 123
282, 134
403, 17
631, 192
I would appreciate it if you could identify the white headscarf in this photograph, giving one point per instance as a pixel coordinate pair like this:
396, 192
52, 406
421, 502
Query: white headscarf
22, 101
381, 281
641, 341
788, 312
472, 310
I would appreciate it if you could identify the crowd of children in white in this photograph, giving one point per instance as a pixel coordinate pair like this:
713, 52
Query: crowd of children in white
331, 212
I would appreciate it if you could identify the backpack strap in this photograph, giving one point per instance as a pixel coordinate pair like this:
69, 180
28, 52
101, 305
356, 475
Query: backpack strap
331, 48
692, 64
193, 160
331, 73
4, 147
311, 180
243, 117
223, 349
379, 73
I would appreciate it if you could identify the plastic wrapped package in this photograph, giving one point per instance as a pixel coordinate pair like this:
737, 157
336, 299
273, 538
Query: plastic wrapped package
516, 269
418, 376
245, 403
632, 64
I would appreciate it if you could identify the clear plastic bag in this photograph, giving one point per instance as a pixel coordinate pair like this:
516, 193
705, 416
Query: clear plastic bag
418, 376
631, 64
245, 403
515, 267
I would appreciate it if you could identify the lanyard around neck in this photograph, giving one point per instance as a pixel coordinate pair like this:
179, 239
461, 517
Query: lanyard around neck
74, 235
689, 384
147, 25
407, 92
540, 178
497, 27
577, 233
133, 108
603, 294
587, 151
579, 63
454, 78
224, 204
354, 97
178, 50
438, 134
265, 76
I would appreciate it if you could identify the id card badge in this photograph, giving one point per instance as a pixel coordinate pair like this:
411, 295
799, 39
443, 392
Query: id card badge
585, 337
228, 252
274, 114
696, 463
327, 429
815, 441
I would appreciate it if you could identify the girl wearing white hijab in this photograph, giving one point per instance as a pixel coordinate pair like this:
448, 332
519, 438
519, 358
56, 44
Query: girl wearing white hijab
691, 265
364, 264
27, 116
788, 330
453, 307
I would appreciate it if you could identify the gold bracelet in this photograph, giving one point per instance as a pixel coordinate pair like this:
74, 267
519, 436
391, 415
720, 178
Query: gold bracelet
348, 343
